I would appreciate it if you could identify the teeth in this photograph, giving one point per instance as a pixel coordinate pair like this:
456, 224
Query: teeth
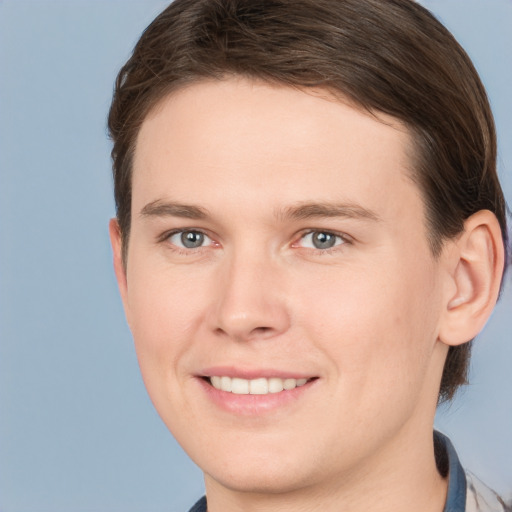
216, 382
225, 383
275, 385
259, 386
239, 386
289, 384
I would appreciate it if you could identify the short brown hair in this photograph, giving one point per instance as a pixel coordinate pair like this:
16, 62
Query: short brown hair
390, 56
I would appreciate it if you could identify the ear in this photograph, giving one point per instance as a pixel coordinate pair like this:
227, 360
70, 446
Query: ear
474, 264
119, 267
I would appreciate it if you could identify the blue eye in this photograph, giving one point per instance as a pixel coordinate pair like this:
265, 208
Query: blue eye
321, 240
189, 239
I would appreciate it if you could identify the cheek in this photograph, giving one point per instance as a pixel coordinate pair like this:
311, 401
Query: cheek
165, 310
377, 327
165, 313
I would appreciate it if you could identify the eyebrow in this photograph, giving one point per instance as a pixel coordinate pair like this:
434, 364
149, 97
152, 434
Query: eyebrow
305, 211
301, 211
161, 208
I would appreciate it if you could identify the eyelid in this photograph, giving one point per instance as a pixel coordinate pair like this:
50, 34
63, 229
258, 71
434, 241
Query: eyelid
164, 237
345, 239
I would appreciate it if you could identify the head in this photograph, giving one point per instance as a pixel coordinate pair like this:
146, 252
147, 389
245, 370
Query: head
304, 190
390, 57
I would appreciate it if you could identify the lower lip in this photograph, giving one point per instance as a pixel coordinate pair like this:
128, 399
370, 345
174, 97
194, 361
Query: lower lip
254, 405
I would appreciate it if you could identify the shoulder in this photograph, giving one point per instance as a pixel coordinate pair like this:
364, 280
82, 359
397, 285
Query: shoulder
480, 498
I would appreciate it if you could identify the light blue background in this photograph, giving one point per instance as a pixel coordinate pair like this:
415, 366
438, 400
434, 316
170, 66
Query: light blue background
77, 430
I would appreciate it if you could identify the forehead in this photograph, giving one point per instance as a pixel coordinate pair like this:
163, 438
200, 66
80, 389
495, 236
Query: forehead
276, 144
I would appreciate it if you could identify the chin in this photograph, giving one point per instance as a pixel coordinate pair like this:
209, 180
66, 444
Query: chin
261, 468
271, 480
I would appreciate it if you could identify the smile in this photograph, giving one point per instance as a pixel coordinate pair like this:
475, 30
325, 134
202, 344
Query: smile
260, 386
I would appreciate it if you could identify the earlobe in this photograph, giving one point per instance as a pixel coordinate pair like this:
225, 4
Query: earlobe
475, 264
119, 267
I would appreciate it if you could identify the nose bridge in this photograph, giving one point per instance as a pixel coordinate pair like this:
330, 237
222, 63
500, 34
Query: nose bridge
250, 300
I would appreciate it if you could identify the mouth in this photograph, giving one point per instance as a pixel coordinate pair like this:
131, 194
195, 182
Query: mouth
256, 393
258, 386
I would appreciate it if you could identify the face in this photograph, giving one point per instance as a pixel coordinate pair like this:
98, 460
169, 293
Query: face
279, 284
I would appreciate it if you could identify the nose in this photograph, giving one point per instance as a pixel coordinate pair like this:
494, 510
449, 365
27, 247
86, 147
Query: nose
250, 302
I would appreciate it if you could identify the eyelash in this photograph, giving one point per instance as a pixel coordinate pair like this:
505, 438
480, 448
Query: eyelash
345, 239
165, 237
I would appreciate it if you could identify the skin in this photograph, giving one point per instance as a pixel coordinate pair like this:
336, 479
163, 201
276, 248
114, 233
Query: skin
369, 318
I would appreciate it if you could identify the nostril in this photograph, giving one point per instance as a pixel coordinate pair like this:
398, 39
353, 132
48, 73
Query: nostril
258, 332
262, 329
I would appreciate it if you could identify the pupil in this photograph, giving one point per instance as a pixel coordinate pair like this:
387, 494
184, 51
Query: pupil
323, 240
192, 239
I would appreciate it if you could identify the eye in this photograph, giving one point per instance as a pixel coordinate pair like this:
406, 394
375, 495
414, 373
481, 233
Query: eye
189, 239
321, 240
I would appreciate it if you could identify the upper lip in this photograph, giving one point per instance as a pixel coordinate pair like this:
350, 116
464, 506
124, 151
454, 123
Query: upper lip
253, 373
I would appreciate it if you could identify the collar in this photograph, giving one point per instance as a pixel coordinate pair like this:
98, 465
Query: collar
449, 465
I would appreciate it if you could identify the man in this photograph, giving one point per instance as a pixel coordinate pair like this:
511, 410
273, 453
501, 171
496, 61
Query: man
309, 232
